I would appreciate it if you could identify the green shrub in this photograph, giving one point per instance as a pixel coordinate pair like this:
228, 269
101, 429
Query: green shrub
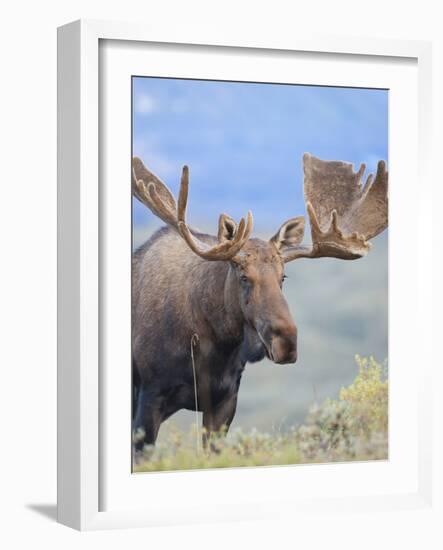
356, 426
367, 397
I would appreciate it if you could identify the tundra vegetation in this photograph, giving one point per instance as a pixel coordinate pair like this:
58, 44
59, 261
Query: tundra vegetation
353, 427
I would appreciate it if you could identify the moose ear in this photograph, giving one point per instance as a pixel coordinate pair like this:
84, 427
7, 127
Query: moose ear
290, 234
226, 228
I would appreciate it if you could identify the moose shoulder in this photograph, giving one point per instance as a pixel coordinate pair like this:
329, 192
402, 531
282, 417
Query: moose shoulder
215, 303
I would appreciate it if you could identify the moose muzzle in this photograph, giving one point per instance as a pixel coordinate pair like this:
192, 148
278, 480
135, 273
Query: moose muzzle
284, 348
281, 343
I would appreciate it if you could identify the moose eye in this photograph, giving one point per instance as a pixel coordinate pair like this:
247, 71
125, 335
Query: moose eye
244, 279
283, 278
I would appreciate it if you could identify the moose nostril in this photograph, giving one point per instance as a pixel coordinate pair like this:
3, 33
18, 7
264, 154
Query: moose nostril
284, 350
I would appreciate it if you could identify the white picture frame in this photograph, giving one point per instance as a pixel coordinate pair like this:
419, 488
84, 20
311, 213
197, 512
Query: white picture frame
80, 412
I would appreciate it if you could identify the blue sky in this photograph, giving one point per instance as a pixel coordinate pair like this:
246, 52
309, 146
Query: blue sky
244, 142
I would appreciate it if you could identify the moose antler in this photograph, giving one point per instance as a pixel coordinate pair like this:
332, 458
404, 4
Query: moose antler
164, 206
154, 194
226, 249
344, 215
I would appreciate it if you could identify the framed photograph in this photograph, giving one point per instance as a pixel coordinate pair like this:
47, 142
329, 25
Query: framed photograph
233, 276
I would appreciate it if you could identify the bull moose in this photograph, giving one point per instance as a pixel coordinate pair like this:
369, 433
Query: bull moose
204, 306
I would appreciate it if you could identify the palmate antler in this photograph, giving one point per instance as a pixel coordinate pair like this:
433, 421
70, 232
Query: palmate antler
344, 215
154, 194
